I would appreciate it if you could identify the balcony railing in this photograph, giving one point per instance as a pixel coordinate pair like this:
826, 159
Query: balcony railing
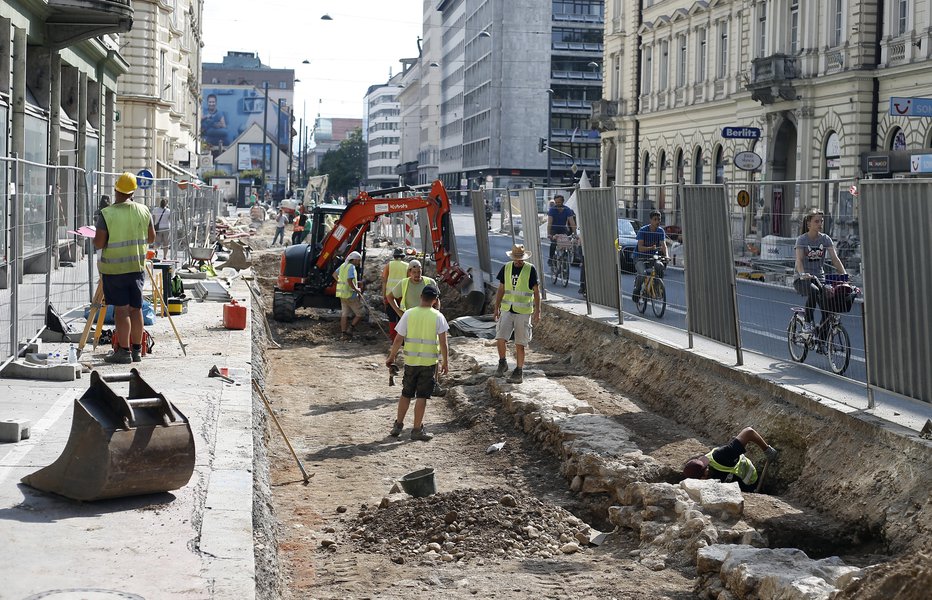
771, 78
71, 21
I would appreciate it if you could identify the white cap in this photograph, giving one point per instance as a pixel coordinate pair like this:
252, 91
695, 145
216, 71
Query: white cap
414, 263
353, 256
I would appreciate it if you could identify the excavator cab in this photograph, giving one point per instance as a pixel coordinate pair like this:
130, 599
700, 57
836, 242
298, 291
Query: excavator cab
120, 445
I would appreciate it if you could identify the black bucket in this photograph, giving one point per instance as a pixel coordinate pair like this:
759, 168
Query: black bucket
419, 484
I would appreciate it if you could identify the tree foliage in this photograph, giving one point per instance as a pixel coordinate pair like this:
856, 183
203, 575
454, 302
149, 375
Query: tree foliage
346, 165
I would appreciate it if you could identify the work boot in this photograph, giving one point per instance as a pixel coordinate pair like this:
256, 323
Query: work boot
120, 356
421, 434
137, 355
347, 336
396, 429
517, 376
502, 367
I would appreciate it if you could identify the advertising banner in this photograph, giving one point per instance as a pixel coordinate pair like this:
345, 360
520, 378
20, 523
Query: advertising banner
249, 156
228, 112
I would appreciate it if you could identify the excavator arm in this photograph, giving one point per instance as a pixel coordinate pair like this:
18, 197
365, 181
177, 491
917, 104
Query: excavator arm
369, 206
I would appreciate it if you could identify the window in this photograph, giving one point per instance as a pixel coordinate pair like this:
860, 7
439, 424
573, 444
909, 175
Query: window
794, 26
701, 54
902, 14
681, 62
648, 66
283, 85
163, 74
836, 20
722, 70
762, 30
664, 61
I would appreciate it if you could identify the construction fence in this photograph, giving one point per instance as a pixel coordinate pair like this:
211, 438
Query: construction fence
742, 238
45, 261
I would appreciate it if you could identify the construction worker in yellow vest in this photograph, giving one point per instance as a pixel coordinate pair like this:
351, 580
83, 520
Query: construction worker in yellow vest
728, 463
517, 309
394, 272
423, 332
349, 293
124, 231
407, 292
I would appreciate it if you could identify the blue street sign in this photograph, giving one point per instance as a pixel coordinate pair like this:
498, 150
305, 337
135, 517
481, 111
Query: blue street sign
741, 133
144, 179
911, 107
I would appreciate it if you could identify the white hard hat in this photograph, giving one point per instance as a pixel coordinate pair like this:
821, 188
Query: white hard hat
354, 256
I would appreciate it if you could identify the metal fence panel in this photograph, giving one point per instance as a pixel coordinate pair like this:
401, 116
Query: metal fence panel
710, 280
597, 221
482, 231
897, 285
527, 208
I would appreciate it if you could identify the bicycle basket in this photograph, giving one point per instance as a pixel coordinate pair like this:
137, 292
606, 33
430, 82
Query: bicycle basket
564, 242
840, 297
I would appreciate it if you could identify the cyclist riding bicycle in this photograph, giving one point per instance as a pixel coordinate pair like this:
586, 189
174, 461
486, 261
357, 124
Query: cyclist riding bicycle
651, 240
811, 248
560, 220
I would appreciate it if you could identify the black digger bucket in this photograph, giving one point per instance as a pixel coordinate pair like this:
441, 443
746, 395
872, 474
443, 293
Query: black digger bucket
140, 444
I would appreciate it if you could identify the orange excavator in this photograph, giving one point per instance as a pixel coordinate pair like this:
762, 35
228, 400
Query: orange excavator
306, 276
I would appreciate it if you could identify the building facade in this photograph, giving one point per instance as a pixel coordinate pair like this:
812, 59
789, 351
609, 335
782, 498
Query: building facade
511, 75
159, 98
815, 79
238, 93
59, 67
381, 132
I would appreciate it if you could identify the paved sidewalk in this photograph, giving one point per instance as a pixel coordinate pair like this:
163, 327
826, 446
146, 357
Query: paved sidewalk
195, 542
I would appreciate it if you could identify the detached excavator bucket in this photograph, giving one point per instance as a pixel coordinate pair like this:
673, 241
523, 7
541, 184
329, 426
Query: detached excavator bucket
120, 446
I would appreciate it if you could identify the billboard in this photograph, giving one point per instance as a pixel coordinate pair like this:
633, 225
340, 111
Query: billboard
227, 112
249, 156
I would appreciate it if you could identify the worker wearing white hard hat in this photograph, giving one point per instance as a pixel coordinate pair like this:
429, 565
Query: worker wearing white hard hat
349, 293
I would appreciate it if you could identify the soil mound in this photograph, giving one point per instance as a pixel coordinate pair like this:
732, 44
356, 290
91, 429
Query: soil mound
468, 524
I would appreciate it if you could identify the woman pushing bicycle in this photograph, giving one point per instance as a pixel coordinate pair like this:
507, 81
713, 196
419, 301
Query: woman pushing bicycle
811, 249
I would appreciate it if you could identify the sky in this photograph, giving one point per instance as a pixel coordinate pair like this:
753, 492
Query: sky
360, 47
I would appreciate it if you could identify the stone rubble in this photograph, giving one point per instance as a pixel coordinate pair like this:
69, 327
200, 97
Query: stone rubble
677, 525
467, 525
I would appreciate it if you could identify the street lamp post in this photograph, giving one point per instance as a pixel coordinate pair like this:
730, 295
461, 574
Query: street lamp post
265, 133
550, 93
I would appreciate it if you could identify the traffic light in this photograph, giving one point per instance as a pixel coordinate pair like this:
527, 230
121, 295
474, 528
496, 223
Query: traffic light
542, 145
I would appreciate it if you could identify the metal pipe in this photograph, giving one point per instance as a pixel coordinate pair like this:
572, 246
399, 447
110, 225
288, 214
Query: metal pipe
265, 133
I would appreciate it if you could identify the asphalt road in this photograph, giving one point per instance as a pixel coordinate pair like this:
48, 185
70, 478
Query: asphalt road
763, 309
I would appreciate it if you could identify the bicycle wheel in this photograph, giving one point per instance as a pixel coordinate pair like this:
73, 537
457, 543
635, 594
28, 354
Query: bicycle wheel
555, 267
795, 340
838, 349
646, 290
658, 300
565, 269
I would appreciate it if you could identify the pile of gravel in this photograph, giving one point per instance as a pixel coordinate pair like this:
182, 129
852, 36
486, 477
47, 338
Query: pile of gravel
469, 524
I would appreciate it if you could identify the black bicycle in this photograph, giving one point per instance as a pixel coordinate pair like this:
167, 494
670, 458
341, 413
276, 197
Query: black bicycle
829, 337
562, 258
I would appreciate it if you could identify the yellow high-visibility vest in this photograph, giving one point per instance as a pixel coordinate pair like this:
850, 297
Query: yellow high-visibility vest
404, 303
744, 470
127, 238
518, 297
422, 343
343, 287
397, 269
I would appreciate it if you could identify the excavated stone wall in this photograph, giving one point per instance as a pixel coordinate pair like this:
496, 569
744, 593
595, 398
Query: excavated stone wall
873, 477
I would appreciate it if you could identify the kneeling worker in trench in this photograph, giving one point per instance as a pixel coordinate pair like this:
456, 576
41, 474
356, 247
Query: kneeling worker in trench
423, 331
728, 463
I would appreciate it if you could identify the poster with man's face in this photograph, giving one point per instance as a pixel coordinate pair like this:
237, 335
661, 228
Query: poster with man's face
227, 112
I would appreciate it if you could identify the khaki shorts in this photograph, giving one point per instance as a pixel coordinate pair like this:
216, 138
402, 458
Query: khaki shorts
351, 306
161, 238
520, 325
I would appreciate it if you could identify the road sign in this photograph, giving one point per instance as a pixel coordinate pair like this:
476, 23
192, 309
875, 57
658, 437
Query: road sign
911, 107
744, 198
748, 161
144, 179
741, 133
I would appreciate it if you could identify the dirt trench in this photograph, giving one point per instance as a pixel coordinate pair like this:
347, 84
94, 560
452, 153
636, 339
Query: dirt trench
333, 400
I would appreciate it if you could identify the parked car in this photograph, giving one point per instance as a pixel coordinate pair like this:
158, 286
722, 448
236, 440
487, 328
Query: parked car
628, 241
